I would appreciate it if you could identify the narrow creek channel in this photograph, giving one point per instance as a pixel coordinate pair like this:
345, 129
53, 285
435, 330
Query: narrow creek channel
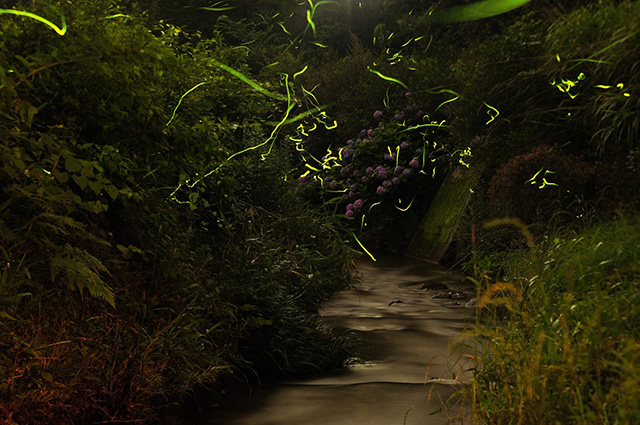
409, 316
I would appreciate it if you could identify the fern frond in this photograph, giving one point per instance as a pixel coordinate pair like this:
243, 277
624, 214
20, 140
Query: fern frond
81, 270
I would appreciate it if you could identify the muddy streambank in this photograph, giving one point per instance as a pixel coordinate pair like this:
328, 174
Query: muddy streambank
409, 315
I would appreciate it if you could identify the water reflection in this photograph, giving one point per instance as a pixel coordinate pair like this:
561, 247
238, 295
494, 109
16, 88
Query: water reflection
406, 367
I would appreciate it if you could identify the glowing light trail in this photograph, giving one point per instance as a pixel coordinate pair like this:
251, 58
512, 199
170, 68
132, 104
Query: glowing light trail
478, 10
60, 30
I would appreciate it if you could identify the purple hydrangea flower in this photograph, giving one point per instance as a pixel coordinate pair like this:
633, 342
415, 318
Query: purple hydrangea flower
353, 186
356, 173
327, 180
358, 140
382, 173
350, 142
404, 145
350, 213
371, 133
387, 157
365, 179
408, 94
343, 171
381, 190
369, 170
358, 204
349, 181
414, 163
406, 173
333, 184
377, 115
399, 116
349, 207
419, 114
399, 169
395, 180
387, 184
352, 194
418, 151
363, 133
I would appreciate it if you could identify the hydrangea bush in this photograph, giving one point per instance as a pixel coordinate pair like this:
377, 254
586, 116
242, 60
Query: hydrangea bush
387, 164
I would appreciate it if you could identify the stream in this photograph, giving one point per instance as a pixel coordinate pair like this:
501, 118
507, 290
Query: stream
409, 316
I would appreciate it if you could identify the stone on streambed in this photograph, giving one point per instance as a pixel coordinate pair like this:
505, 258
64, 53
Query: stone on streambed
434, 286
451, 295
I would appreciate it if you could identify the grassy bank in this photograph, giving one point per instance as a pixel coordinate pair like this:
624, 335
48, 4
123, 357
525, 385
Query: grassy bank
562, 331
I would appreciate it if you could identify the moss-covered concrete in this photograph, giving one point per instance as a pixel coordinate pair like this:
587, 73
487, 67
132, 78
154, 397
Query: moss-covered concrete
431, 240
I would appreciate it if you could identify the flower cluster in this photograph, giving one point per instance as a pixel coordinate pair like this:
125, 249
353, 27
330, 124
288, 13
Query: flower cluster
379, 164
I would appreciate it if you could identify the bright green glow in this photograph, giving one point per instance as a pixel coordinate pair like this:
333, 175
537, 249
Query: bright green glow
434, 91
274, 133
478, 10
218, 7
299, 116
545, 183
252, 83
311, 23
408, 206
491, 109
60, 31
283, 28
384, 77
300, 72
180, 101
117, 15
362, 246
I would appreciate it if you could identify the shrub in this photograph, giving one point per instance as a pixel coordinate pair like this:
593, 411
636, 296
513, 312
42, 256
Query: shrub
539, 185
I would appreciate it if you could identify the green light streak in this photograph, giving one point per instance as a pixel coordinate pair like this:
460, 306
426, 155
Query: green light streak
491, 109
300, 72
117, 15
214, 7
283, 28
180, 101
409, 206
362, 246
478, 10
299, 116
60, 31
384, 77
274, 133
250, 82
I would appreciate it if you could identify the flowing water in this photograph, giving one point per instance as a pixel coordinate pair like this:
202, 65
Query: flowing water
409, 316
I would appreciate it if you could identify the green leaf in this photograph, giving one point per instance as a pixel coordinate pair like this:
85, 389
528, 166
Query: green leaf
61, 176
112, 191
81, 181
72, 165
96, 187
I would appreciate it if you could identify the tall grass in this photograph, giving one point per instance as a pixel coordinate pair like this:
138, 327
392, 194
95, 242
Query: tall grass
565, 347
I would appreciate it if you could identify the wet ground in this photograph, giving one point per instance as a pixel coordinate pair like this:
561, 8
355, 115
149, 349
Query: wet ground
410, 317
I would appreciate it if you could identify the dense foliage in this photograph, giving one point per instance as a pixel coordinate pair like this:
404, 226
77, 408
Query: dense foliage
567, 343
178, 184
140, 262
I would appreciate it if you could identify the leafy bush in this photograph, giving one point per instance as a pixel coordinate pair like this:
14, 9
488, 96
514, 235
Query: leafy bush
380, 177
541, 184
125, 230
